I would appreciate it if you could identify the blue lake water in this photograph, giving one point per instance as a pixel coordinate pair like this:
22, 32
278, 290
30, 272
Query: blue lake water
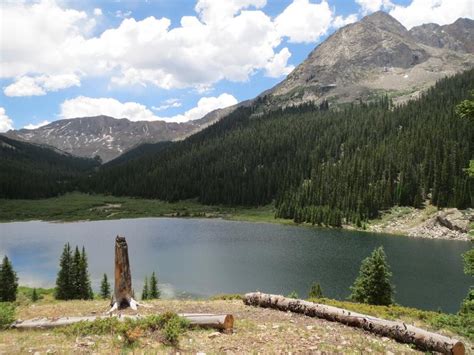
203, 257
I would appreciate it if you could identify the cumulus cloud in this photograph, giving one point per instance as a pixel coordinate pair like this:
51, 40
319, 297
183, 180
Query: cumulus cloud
36, 86
441, 12
170, 103
5, 122
368, 6
38, 125
303, 21
225, 40
83, 106
97, 12
278, 66
340, 21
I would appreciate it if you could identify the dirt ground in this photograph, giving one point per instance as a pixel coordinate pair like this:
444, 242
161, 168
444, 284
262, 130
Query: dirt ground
256, 330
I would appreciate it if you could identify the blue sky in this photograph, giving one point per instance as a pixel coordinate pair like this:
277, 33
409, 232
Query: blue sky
163, 59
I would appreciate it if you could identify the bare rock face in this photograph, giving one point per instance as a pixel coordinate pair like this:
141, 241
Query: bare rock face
446, 224
458, 36
374, 55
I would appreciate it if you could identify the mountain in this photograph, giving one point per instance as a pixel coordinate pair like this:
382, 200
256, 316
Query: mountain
373, 56
105, 136
458, 36
361, 61
317, 165
36, 171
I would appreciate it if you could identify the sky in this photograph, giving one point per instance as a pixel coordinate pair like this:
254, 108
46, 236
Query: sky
171, 60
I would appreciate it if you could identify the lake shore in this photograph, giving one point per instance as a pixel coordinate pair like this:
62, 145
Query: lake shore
74, 207
255, 329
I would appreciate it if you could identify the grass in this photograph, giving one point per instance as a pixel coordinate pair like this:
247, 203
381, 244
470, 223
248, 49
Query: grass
461, 324
131, 330
77, 206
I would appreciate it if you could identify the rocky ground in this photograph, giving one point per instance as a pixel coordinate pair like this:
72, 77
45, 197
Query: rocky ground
256, 330
450, 223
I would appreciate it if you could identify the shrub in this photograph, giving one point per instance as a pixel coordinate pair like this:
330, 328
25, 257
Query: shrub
7, 314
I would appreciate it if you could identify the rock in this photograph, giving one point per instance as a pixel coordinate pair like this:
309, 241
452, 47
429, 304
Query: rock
214, 335
309, 327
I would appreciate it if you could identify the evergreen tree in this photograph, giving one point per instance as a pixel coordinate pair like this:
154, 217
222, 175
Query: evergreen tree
75, 275
373, 285
315, 291
34, 295
105, 288
154, 291
145, 292
8, 281
64, 285
85, 288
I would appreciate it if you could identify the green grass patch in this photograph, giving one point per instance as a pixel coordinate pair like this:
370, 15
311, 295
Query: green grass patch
7, 314
226, 297
170, 326
462, 324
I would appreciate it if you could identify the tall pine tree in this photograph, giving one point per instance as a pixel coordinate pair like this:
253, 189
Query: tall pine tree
64, 285
145, 292
8, 281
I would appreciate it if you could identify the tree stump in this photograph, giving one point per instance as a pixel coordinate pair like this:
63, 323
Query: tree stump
123, 293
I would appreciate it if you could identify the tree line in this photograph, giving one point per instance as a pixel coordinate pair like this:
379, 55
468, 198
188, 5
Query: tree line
319, 166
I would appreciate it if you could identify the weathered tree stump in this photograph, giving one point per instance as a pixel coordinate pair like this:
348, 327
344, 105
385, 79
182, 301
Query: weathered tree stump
123, 293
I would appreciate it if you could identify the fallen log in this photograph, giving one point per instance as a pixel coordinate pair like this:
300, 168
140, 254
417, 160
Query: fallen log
399, 331
222, 322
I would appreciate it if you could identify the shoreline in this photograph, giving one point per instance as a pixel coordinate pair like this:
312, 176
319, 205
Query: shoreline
427, 223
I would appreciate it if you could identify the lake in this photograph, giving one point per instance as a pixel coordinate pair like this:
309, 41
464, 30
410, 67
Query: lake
203, 257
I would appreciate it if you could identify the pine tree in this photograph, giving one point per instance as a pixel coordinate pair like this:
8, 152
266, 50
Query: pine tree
105, 288
75, 275
145, 292
8, 281
373, 285
154, 291
34, 295
85, 286
64, 287
315, 291
467, 305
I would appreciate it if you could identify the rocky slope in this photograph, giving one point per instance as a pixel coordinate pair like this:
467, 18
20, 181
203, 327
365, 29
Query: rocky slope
105, 136
374, 56
377, 55
449, 223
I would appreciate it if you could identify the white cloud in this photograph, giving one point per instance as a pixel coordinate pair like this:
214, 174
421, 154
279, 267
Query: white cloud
82, 106
340, 21
122, 14
170, 103
303, 21
97, 12
214, 11
204, 106
226, 40
38, 125
278, 66
441, 12
6, 122
36, 86
368, 6
24, 86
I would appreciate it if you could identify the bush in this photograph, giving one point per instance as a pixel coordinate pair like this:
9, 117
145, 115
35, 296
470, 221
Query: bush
315, 291
7, 314
292, 294
171, 325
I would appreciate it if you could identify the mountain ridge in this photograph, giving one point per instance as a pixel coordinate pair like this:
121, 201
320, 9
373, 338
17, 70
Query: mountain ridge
374, 56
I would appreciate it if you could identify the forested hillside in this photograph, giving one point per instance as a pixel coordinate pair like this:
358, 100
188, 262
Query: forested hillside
33, 171
320, 166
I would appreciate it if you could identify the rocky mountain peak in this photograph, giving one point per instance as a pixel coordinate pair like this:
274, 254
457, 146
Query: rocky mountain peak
375, 54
